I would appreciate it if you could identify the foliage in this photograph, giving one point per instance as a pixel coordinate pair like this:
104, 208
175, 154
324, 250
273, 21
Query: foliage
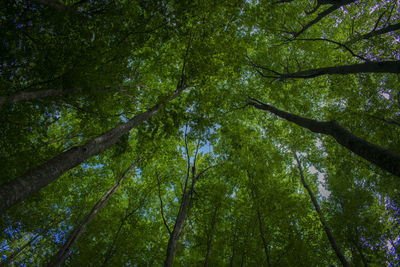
113, 60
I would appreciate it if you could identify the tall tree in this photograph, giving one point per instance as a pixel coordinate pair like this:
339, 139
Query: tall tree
327, 229
383, 158
63, 252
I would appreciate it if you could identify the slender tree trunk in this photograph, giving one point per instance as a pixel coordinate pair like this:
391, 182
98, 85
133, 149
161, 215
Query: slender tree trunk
178, 227
327, 229
63, 252
383, 158
265, 244
184, 209
367, 67
253, 191
7, 261
31, 182
210, 236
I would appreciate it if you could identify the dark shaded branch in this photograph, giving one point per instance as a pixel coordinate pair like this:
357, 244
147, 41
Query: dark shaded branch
373, 33
334, 42
367, 67
381, 157
327, 229
161, 204
320, 16
265, 244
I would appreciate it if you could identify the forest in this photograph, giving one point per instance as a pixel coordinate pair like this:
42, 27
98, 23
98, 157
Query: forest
200, 133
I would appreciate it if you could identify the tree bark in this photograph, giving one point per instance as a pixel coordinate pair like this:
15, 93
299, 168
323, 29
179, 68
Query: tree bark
327, 229
63, 252
31, 182
383, 158
367, 67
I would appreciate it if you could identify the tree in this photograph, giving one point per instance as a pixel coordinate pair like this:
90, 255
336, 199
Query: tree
63, 252
383, 158
327, 229
86, 86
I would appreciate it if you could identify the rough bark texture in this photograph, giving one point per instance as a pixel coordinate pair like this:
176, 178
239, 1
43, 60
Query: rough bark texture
327, 229
367, 67
31, 182
63, 252
383, 158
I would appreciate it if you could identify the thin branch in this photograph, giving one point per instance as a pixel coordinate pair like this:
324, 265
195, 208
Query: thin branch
161, 203
337, 43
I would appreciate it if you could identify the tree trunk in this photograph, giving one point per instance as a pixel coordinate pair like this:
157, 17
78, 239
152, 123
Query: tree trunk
178, 227
184, 208
367, 67
31, 182
383, 158
265, 244
327, 229
63, 252
254, 195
